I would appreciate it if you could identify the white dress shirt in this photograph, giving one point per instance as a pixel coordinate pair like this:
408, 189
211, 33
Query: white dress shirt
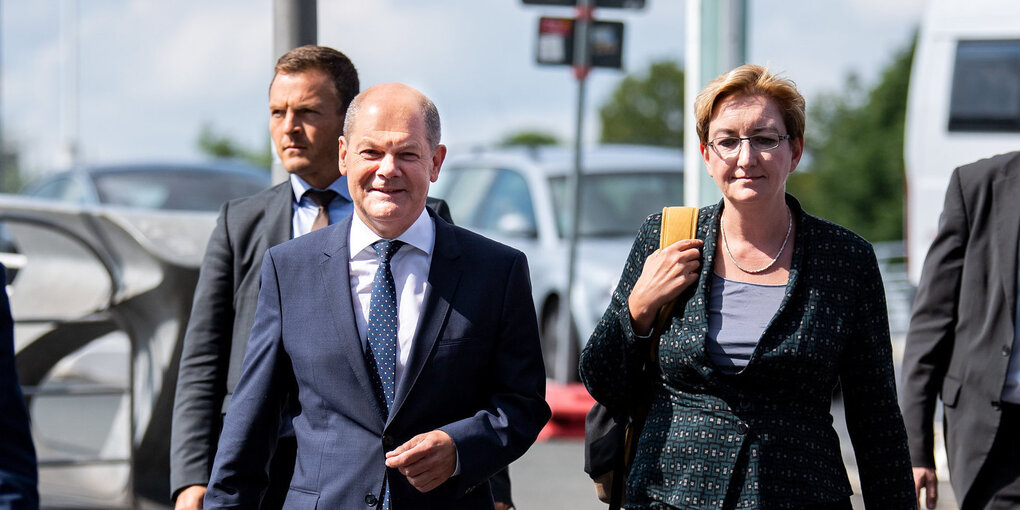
410, 268
305, 210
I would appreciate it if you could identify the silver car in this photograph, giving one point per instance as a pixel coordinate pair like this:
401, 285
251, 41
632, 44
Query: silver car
517, 197
164, 186
107, 258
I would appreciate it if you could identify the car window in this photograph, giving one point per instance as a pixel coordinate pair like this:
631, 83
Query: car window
616, 204
178, 190
507, 209
61, 188
489, 199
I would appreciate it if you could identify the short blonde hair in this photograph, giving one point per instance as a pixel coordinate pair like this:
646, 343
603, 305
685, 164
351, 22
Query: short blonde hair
751, 80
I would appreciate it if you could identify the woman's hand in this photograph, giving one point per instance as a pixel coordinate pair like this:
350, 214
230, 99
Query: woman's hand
666, 273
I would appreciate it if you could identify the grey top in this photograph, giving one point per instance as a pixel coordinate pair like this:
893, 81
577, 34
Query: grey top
738, 313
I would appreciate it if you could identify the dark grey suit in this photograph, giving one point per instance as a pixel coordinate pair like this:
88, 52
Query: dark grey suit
961, 332
221, 320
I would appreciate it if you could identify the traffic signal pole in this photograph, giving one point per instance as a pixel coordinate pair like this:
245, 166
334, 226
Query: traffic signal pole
582, 66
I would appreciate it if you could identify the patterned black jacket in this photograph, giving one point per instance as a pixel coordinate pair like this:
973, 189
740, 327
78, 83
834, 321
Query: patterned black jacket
762, 438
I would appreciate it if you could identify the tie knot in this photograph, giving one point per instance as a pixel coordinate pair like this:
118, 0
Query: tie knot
321, 198
385, 249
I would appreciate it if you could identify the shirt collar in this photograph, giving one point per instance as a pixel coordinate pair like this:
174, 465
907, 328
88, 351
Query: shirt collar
299, 187
421, 235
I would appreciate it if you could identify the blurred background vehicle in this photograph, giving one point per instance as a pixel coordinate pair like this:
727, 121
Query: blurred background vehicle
963, 105
518, 196
169, 186
107, 259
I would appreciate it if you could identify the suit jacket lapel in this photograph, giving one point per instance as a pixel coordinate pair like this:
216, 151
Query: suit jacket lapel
444, 275
336, 280
1006, 214
281, 213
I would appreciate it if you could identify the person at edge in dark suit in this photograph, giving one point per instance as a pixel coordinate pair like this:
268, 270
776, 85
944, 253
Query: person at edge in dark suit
964, 341
19, 476
407, 348
308, 98
775, 307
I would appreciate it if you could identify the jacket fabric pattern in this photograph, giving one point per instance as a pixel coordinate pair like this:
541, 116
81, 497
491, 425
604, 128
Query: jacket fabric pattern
762, 438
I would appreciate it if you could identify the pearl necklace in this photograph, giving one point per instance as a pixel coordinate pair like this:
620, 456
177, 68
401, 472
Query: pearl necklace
726, 245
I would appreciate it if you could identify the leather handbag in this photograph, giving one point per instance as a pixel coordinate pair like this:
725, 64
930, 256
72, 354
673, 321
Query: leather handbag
610, 438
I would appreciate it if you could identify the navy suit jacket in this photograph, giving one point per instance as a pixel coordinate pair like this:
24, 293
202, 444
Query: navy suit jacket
475, 371
18, 473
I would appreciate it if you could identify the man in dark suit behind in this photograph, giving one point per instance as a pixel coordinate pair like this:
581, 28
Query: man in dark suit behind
406, 348
963, 342
308, 97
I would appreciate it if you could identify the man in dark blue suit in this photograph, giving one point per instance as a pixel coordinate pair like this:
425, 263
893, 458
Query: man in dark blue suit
407, 348
18, 473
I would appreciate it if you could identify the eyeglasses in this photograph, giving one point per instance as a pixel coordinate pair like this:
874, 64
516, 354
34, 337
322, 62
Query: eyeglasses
729, 146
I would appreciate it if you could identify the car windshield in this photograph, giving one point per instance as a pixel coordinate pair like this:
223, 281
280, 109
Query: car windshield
616, 204
175, 189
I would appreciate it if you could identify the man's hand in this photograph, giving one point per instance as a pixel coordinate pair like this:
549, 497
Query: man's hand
427, 460
190, 498
924, 478
502, 506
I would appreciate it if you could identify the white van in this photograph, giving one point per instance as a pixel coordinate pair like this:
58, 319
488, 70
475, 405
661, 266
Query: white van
963, 104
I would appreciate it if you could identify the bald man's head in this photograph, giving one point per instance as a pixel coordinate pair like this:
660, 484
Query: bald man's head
399, 91
390, 153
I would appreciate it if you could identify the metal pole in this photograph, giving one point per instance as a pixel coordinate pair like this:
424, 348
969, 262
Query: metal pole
294, 24
716, 43
5, 168
69, 55
693, 167
582, 59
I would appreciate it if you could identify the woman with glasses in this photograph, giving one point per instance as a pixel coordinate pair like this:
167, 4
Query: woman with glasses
774, 307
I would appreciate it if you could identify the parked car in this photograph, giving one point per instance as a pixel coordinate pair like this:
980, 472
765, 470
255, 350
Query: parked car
517, 196
166, 186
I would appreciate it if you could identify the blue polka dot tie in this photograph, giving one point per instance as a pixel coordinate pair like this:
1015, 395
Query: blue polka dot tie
382, 324
382, 334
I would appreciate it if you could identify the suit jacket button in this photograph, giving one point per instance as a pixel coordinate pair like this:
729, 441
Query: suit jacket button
1005, 351
741, 428
387, 440
371, 500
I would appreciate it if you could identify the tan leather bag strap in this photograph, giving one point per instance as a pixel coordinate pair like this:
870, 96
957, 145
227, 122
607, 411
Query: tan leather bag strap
678, 223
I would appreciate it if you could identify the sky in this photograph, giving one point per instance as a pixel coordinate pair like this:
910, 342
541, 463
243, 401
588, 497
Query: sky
151, 74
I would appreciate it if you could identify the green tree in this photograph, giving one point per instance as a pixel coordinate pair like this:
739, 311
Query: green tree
10, 171
647, 108
529, 138
854, 171
219, 145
